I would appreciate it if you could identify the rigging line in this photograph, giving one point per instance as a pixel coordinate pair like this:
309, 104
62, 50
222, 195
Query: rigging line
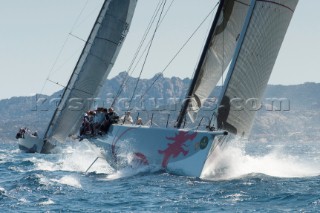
174, 57
81, 39
65, 87
151, 39
68, 59
57, 83
64, 44
145, 34
155, 13
78, 17
125, 80
90, 14
62, 48
223, 57
162, 19
148, 51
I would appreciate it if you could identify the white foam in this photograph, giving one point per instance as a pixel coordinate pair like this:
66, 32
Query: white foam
128, 172
48, 202
77, 157
23, 200
2, 190
69, 180
2, 158
132, 167
43, 180
234, 198
45, 165
82, 156
232, 162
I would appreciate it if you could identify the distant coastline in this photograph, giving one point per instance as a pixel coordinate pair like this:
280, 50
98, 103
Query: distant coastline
299, 121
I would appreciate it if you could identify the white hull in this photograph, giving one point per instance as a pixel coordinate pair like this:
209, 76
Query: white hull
178, 151
30, 144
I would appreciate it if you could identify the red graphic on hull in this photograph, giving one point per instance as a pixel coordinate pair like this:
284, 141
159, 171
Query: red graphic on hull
141, 158
114, 142
175, 148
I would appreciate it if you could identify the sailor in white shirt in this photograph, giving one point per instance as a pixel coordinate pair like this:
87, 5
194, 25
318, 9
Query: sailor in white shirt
126, 118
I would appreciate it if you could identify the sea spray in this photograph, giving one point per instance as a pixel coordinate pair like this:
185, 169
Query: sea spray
77, 157
235, 161
82, 156
34, 189
131, 166
70, 180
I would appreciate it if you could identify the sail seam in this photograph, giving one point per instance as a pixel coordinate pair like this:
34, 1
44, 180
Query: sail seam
115, 43
240, 2
115, 17
80, 90
101, 59
273, 2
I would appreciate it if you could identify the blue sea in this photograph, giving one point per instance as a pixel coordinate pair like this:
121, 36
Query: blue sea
242, 177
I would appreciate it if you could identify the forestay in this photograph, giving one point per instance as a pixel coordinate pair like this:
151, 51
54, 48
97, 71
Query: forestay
220, 51
93, 66
251, 67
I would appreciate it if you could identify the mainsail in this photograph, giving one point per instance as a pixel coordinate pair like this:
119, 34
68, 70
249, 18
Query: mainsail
256, 53
93, 66
217, 53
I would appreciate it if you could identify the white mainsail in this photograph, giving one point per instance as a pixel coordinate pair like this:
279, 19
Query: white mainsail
260, 42
93, 66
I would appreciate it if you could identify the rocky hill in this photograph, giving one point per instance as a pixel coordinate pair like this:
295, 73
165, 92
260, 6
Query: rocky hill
288, 112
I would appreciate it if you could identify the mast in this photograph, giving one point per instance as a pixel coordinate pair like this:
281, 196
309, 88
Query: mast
197, 72
93, 66
73, 73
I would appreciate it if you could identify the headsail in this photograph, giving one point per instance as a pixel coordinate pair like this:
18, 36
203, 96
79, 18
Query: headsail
261, 39
93, 66
217, 53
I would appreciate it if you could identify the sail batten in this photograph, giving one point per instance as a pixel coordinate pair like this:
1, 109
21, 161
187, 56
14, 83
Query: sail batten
93, 66
253, 63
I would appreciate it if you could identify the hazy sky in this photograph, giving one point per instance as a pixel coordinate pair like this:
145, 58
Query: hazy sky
33, 33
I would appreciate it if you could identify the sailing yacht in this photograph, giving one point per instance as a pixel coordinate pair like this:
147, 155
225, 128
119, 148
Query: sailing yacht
243, 43
93, 66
